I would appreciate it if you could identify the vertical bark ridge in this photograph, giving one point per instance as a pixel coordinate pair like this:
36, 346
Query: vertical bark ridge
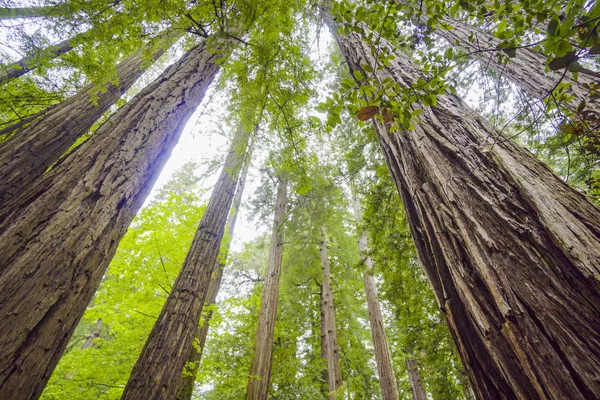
26, 156
416, 385
383, 358
259, 381
158, 371
186, 387
328, 325
512, 252
61, 234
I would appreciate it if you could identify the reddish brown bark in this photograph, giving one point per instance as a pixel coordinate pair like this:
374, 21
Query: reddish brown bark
186, 387
158, 371
512, 252
26, 156
329, 344
259, 381
61, 234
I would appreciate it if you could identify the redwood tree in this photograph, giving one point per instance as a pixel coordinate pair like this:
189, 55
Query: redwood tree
157, 373
61, 233
28, 154
511, 251
259, 381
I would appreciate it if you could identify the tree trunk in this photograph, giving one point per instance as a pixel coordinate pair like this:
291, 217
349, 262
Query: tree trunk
96, 330
186, 387
416, 386
260, 371
328, 329
512, 252
525, 70
26, 156
32, 12
30, 62
159, 368
383, 358
61, 234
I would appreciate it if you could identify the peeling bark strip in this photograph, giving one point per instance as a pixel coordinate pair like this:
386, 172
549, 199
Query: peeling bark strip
26, 156
383, 358
62, 233
512, 252
259, 381
416, 385
329, 343
186, 387
158, 370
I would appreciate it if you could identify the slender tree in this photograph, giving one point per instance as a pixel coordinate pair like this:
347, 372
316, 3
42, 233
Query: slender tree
186, 387
329, 342
511, 251
60, 235
416, 385
383, 358
26, 156
96, 330
157, 373
259, 381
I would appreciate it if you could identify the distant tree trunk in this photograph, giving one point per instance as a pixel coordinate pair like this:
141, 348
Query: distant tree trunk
32, 12
512, 252
30, 62
157, 373
96, 330
186, 386
259, 381
383, 358
416, 386
26, 156
61, 234
525, 70
328, 325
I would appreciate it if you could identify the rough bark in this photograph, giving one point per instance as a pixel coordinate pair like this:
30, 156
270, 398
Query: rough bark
25, 157
96, 330
30, 62
259, 381
329, 344
416, 385
525, 70
186, 387
511, 251
383, 358
61, 234
159, 368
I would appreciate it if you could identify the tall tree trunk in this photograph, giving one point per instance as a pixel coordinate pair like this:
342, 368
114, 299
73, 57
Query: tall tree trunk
30, 62
61, 234
416, 386
33, 12
512, 252
525, 70
159, 368
259, 381
383, 358
26, 156
186, 387
328, 326
96, 330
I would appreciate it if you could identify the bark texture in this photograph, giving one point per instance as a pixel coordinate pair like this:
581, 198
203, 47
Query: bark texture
329, 343
383, 358
96, 330
186, 387
26, 156
157, 373
416, 385
30, 62
525, 70
259, 381
512, 252
61, 234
